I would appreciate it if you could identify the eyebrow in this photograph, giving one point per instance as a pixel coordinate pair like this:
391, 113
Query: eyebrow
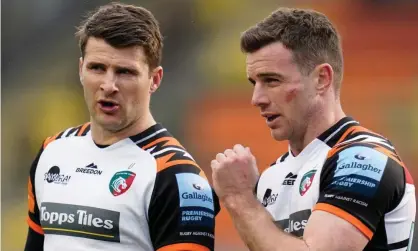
267, 75
270, 74
117, 67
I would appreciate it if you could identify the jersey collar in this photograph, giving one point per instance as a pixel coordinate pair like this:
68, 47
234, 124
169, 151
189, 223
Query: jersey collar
335, 132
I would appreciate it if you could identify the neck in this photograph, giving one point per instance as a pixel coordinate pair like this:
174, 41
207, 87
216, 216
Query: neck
103, 136
315, 125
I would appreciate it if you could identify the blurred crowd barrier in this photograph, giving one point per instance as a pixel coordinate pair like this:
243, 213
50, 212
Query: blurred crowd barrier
205, 97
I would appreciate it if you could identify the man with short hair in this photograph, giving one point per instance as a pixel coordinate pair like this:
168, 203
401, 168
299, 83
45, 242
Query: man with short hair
340, 186
121, 181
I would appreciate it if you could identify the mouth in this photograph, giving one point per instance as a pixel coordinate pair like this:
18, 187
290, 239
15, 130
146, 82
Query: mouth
270, 118
108, 106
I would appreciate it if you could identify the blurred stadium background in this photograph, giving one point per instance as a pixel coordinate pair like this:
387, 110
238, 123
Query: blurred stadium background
204, 98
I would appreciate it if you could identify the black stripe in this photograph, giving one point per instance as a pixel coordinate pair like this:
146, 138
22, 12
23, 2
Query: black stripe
334, 139
72, 130
148, 132
398, 245
60, 135
284, 157
368, 134
178, 154
86, 130
77, 129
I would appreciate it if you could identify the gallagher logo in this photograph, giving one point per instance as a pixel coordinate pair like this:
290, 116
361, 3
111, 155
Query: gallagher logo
121, 182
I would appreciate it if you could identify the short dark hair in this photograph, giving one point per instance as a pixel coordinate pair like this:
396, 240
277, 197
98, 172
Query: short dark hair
309, 34
122, 26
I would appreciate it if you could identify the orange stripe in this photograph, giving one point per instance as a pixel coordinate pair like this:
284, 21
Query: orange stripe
333, 151
82, 129
178, 162
50, 139
386, 152
346, 216
392, 155
184, 247
35, 227
164, 162
203, 175
352, 130
31, 197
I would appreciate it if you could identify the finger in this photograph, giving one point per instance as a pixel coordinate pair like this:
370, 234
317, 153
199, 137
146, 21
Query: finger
230, 153
214, 164
239, 149
220, 157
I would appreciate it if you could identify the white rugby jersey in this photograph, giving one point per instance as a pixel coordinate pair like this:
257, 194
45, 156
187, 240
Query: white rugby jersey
350, 172
142, 193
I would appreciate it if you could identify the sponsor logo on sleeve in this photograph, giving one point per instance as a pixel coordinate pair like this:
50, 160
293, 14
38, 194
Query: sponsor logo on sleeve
121, 182
196, 200
359, 170
55, 176
80, 221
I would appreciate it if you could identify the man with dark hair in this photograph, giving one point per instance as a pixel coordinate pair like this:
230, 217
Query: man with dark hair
340, 186
120, 181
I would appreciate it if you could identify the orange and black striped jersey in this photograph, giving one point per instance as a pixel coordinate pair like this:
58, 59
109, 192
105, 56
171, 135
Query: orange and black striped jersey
145, 192
348, 171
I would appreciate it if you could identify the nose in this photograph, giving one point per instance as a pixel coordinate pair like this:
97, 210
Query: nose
260, 97
109, 85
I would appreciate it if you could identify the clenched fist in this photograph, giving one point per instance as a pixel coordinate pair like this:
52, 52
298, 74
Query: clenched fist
234, 172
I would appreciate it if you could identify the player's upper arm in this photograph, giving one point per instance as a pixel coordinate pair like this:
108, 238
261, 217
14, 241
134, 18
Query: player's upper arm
326, 231
183, 206
359, 186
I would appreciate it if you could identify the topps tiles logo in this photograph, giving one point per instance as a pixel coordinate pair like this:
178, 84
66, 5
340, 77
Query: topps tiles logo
296, 223
80, 221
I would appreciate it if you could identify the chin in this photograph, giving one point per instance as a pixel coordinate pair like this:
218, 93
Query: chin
279, 134
110, 123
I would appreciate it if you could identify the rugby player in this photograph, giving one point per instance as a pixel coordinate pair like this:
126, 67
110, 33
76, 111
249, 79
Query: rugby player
340, 186
120, 181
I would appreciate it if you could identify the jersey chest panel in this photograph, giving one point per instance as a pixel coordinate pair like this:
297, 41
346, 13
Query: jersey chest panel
290, 189
97, 194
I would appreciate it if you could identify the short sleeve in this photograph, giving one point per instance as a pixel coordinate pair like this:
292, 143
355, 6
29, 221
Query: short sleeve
182, 210
361, 184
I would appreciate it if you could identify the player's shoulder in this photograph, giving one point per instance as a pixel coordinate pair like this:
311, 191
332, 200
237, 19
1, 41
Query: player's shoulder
357, 137
166, 149
75, 131
364, 152
280, 160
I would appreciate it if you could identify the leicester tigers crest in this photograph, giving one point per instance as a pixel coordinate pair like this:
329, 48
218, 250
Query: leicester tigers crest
306, 182
121, 182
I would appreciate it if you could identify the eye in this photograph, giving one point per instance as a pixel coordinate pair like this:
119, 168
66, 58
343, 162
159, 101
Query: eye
126, 71
123, 71
271, 80
96, 67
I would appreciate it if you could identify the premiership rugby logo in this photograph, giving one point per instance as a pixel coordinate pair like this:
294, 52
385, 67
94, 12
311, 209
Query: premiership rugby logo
121, 182
306, 182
